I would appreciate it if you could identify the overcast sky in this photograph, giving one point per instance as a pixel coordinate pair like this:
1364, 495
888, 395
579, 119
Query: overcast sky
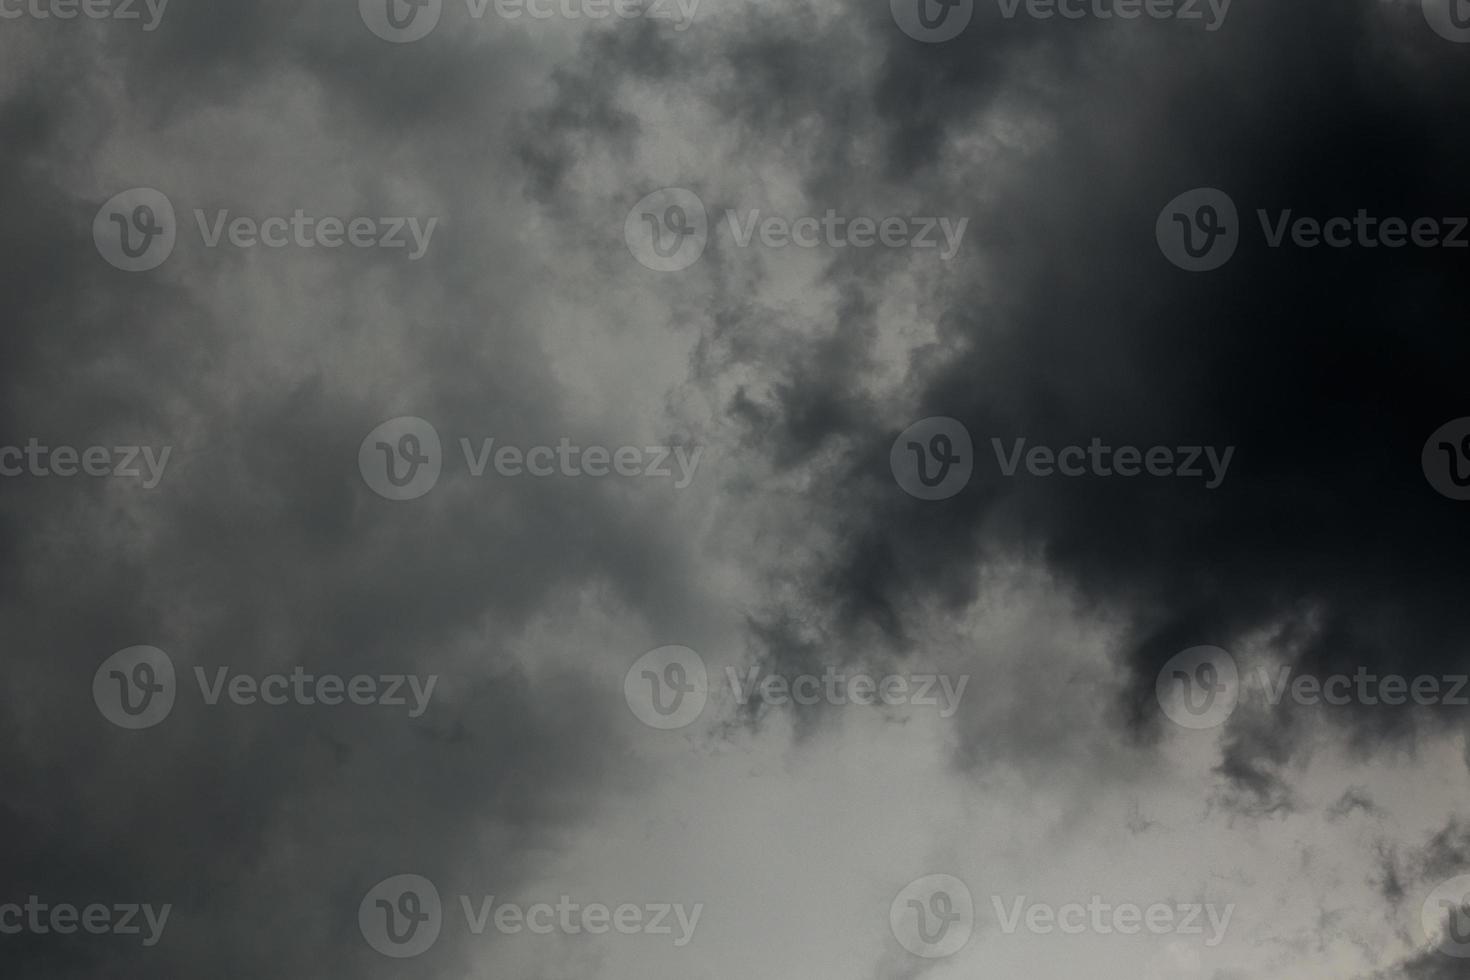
452, 347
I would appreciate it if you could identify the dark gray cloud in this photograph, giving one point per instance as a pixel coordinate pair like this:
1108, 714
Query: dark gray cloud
1327, 369
262, 549
1059, 321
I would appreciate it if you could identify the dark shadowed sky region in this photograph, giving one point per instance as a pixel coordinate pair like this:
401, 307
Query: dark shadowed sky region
695, 489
